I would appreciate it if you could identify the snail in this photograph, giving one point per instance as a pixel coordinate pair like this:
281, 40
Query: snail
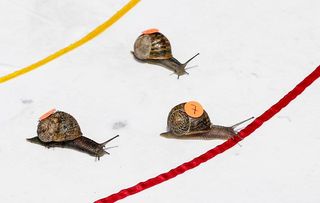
190, 121
153, 47
60, 129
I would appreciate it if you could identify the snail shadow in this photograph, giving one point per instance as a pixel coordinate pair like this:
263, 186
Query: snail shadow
48, 145
119, 125
158, 63
72, 145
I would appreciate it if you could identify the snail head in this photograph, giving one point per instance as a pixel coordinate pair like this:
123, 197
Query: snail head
182, 67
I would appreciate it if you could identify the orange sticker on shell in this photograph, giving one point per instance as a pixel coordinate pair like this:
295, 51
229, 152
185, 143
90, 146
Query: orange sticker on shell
150, 31
193, 109
46, 115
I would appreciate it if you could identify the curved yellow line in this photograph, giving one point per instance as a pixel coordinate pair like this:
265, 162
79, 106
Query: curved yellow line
74, 45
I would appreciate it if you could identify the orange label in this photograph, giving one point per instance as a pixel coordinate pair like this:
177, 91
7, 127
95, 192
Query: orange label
150, 31
193, 109
46, 115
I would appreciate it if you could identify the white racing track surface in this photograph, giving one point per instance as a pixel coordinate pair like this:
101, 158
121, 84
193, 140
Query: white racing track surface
251, 54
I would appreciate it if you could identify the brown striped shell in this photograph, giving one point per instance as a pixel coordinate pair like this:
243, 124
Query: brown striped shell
152, 46
58, 127
180, 123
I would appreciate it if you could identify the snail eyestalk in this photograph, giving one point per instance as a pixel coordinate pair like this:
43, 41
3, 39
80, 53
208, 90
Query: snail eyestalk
191, 59
182, 70
104, 143
237, 124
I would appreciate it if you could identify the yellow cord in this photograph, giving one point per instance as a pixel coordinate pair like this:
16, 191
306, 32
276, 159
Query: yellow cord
74, 45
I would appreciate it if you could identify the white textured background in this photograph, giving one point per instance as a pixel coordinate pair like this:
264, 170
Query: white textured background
251, 54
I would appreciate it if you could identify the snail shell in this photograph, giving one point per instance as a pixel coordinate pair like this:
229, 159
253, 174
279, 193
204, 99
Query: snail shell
182, 126
152, 46
180, 123
155, 48
60, 129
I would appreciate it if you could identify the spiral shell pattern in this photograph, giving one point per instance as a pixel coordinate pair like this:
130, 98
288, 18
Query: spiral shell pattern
180, 123
152, 46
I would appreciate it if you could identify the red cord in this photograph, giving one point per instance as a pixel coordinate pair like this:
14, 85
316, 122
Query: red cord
220, 148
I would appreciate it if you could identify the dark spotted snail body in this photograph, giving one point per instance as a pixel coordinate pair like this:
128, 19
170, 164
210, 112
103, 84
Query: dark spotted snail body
153, 47
183, 126
60, 129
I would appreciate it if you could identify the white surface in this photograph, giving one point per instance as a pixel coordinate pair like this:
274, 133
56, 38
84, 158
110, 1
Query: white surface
252, 53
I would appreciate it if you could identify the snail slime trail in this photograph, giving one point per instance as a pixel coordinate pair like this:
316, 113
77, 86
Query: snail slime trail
182, 124
60, 129
154, 47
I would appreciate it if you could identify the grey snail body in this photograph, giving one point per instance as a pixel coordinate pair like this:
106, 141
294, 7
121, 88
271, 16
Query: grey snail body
155, 48
60, 129
182, 126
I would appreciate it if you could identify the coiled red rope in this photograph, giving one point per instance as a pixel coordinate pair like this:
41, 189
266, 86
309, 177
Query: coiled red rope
220, 148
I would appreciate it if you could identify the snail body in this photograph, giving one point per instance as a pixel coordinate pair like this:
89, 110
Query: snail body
183, 126
154, 47
60, 129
